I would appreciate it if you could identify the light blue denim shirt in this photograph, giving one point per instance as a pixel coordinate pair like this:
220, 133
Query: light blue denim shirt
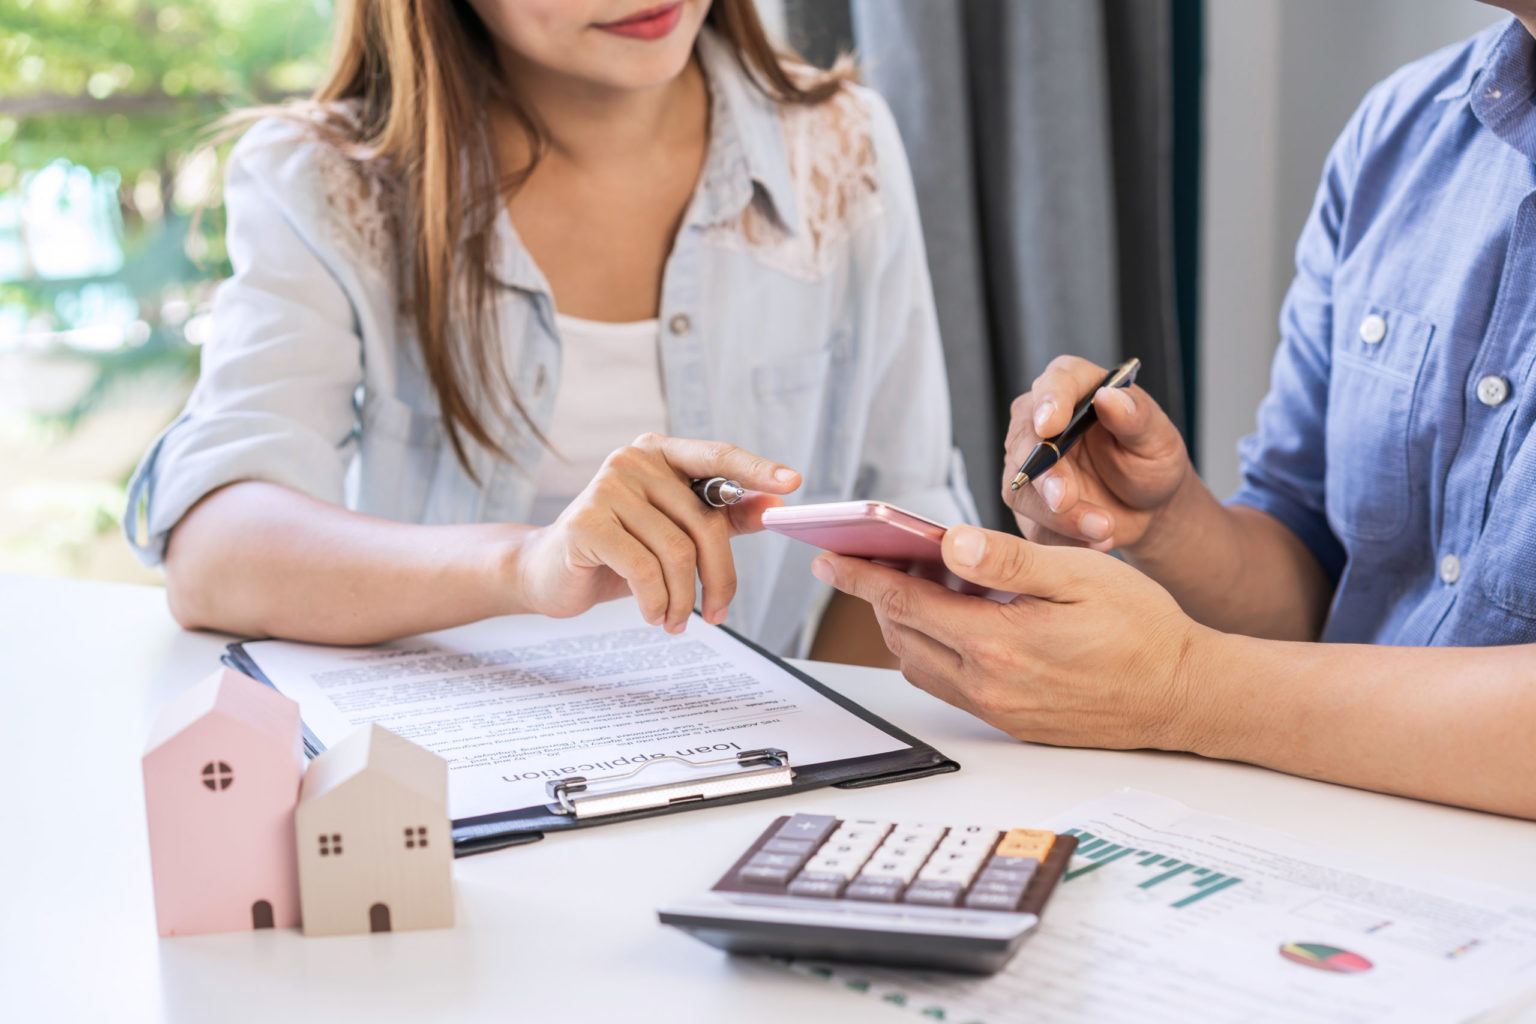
1396, 440
797, 322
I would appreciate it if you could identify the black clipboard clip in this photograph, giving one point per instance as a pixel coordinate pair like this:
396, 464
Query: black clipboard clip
751, 771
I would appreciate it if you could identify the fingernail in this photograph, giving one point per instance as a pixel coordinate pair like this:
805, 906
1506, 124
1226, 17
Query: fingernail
970, 545
783, 475
822, 570
1120, 397
1054, 490
1043, 413
1095, 525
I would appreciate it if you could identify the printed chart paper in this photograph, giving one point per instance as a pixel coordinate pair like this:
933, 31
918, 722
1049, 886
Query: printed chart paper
515, 702
1166, 914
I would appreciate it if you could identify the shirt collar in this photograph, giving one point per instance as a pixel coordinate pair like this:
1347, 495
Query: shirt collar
1499, 65
746, 142
746, 152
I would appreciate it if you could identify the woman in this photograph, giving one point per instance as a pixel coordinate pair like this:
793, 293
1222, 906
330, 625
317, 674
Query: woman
506, 238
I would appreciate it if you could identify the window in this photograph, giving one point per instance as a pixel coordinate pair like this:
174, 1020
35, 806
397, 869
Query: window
330, 844
105, 287
415, 837
217, 775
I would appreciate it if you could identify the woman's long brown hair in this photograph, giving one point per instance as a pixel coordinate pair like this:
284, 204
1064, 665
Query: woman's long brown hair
414, 77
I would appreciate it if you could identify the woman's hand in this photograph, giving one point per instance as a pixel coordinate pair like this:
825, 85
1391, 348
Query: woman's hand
1113, 485
639, 528
1092, 652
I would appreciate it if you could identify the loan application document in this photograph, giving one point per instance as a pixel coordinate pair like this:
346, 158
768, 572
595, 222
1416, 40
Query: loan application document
513, 703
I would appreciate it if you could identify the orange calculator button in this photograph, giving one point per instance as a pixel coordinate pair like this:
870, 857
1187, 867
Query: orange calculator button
1026, 842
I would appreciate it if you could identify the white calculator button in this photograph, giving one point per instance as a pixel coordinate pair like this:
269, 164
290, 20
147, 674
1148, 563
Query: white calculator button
969, 864
969, 841
963, 872
910, 840
845, 867
903, 871
880, 868
947, 875
921, 826
850, 849
873, 834
935, 872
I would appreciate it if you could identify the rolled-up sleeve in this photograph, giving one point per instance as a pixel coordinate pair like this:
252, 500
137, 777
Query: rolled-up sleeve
909, 458
274, 400
1283, 461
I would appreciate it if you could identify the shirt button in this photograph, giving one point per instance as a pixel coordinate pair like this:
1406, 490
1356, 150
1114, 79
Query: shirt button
1372, 329
1450, 568
1492, 390
679, 324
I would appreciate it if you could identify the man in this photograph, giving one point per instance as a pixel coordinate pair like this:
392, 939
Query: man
1388, 505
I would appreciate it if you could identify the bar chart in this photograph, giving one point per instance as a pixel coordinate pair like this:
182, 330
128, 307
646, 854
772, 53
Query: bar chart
1187, 883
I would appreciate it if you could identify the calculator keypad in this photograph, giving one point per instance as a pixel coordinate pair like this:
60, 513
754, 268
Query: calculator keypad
895, 862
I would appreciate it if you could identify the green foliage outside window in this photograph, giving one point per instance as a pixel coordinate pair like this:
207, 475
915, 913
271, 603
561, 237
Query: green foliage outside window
106, 266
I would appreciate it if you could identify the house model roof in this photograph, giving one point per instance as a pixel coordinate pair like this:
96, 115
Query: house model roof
234, 696
374, 749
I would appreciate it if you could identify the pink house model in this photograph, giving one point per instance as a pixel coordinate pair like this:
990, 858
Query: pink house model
374, 840
221, 778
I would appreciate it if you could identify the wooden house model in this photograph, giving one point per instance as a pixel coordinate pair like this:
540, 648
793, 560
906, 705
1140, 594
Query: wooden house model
221, 778
375, 848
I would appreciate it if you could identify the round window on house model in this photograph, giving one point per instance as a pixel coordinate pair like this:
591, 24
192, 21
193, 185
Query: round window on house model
217, 775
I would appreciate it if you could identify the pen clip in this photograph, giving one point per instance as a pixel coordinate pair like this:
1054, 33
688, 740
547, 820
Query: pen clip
1124, 375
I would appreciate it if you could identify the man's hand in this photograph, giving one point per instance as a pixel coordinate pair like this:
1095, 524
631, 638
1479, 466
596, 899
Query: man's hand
1115, 482
1090, 654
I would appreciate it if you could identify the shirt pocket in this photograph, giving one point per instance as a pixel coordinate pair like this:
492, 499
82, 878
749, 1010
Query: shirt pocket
399, 449
797, 419
1377, 353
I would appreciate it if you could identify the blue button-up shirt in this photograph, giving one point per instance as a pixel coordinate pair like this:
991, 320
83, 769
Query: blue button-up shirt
1396, 440
796, 313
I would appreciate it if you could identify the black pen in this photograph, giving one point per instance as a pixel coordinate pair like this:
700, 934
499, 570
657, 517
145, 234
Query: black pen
718, 492
1048, 453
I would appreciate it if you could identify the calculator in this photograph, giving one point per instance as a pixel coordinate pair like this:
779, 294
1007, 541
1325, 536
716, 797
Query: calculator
959, 898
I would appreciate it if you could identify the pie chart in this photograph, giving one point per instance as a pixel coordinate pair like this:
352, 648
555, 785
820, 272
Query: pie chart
1325, 958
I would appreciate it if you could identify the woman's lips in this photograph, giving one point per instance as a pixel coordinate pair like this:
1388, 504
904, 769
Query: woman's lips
652, 23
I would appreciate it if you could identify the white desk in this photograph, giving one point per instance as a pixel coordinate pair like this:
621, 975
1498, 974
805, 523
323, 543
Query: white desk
561, 930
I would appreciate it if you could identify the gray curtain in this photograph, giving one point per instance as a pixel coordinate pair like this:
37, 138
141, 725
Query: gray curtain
1040, 136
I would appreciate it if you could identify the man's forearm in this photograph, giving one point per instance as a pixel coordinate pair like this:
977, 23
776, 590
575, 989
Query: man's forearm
1454, 725
261, 560
1235, 569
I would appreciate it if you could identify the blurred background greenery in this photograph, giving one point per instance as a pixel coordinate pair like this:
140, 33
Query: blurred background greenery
106, 269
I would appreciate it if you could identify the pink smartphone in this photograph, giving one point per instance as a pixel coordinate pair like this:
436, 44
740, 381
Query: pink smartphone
884, 534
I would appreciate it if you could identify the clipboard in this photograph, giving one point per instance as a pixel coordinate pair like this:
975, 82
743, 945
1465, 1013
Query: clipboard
581, 802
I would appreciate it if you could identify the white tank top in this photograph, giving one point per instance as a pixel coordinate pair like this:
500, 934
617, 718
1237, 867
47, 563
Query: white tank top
610, 392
